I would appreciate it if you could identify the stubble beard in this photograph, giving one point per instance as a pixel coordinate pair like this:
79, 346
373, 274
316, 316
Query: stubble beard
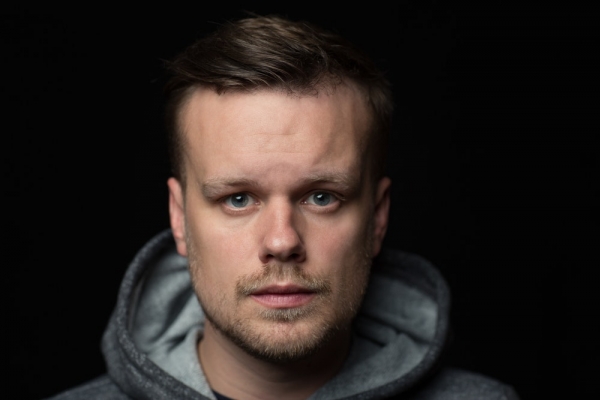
271, 337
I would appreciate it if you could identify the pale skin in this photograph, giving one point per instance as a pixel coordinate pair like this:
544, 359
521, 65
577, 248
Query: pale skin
276, 179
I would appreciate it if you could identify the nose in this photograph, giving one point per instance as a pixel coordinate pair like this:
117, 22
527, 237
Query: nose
281, 239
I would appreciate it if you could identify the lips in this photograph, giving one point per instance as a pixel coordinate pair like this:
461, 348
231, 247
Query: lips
283, 296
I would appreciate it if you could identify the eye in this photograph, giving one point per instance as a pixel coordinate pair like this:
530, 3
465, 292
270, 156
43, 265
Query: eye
321, 199
238, 200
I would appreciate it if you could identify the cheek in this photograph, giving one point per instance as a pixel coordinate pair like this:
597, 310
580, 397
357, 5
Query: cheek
218, 237
342, 248
340, 237
220, 253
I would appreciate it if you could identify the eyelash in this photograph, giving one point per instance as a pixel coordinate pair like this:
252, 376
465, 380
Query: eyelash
334, 198
230, 197
335, 202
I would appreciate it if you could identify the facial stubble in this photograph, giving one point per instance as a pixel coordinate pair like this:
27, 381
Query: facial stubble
285, 335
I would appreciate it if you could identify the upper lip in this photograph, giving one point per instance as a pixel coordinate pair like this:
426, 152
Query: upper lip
282, 289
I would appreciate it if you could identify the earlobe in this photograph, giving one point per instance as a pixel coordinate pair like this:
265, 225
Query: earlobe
381, 213
177, 215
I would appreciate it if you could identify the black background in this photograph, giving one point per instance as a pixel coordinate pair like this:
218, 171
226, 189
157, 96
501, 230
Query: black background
492, 161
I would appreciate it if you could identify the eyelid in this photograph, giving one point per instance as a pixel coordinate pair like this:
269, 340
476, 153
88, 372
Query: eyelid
251, 201
337, 199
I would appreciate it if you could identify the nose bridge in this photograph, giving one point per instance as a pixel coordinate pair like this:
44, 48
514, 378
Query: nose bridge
282, 240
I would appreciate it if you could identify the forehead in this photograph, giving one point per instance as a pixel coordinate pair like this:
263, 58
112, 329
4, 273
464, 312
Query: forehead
273, 129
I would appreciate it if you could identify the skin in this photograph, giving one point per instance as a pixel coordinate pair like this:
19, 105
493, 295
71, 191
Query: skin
277, 194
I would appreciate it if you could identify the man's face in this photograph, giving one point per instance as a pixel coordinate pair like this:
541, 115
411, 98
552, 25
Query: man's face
279, 218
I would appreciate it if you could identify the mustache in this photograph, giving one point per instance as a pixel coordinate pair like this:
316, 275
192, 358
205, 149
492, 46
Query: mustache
273, 273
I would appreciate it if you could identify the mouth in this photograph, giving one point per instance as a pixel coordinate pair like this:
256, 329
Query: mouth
283, 296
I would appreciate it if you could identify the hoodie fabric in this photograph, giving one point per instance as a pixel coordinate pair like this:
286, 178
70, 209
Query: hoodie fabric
150, 344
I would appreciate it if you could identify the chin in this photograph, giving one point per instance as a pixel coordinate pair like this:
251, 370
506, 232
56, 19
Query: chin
281, 336
288, 342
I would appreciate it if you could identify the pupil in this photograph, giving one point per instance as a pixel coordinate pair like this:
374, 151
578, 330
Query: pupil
240, 200
322, 199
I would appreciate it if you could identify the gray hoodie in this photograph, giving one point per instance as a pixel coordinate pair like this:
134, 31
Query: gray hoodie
399, 334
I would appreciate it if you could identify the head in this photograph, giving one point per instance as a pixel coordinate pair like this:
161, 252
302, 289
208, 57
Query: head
277, 54
278, 133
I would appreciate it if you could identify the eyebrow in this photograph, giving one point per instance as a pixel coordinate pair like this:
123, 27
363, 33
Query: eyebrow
345, 181
213, 187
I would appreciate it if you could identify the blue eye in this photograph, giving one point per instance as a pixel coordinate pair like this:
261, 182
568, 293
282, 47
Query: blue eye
320, 199
238, 200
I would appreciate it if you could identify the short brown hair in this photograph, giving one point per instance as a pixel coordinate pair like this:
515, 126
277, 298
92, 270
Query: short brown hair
270, 52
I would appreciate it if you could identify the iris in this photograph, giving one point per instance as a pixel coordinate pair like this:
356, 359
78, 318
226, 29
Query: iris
320, 199
239, 200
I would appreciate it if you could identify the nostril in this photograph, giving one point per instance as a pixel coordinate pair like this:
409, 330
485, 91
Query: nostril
296, 257
296, 254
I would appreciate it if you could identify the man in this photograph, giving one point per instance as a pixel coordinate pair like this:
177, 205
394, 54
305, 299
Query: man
265, 286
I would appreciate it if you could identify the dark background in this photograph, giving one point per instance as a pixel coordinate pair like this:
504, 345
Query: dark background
492, 162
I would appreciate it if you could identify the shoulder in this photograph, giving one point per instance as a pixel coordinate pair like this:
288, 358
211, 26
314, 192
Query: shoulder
101, 388
455, 384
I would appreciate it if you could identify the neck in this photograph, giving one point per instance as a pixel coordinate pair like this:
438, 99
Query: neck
234, 373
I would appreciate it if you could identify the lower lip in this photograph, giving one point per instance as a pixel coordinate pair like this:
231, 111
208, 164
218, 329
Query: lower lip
283, 300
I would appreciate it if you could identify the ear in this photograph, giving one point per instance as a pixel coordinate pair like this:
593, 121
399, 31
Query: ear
381, 213
177, 215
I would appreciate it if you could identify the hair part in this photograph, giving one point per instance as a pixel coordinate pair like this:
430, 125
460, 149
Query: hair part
273, 53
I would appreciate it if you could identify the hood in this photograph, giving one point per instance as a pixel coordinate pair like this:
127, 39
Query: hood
150, 342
